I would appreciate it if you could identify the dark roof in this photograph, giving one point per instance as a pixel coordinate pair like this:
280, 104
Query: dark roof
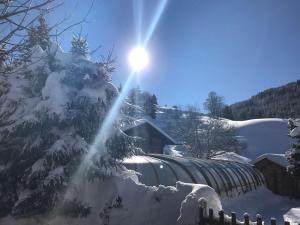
279, 159
142, 122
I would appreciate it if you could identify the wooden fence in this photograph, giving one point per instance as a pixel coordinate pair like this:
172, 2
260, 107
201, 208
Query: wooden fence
223, 219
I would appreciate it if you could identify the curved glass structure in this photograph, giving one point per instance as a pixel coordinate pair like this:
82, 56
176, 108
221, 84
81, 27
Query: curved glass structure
224, 176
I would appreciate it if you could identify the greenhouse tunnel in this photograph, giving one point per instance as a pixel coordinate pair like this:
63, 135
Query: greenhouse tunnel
226, 177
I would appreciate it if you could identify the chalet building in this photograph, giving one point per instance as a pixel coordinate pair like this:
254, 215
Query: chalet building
154, 139
278, 180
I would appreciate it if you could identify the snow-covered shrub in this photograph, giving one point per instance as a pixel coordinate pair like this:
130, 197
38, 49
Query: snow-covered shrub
293, 154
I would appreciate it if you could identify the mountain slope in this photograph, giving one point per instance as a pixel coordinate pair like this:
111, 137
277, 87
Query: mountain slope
280, 102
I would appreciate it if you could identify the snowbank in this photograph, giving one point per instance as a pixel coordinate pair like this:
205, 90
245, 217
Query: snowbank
263, 202
263, 136
292, 216
140, 204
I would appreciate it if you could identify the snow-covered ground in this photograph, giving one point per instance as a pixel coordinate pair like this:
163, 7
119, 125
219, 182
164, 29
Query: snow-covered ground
140, 204
263, 202
263, 136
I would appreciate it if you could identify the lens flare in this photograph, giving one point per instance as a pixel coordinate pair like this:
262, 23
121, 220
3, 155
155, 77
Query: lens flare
138, 58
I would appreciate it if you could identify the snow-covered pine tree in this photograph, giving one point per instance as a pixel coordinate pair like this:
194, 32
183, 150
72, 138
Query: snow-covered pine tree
79, 46
149, 104
43, 33
37, 35
153, 106
49, 117
293, 154
135, 95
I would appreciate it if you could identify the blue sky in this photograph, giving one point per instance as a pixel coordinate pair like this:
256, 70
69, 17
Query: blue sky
234, 47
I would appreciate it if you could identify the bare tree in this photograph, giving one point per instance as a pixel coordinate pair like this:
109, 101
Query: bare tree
218, 136
188, 128
214, 104
17, 19
206, 137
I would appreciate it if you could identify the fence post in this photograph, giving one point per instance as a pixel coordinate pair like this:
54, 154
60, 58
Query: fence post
221, 217
211, 216
246, 219
233, 218
258, 220
273, 221
201, 216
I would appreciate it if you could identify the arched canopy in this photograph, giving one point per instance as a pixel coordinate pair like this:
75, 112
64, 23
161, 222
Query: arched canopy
224, 176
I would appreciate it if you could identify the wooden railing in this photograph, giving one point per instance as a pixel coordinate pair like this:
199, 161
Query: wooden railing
223, 219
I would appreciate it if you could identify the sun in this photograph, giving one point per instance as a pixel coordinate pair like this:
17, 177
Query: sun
138, 58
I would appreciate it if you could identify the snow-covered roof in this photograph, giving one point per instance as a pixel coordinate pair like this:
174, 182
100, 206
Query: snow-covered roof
139, 122
276, 158
231, 156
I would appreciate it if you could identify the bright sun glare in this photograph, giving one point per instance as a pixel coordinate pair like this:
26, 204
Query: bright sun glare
138, 58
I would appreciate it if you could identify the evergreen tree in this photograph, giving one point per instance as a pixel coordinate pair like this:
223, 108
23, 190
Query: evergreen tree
150, 104
79, 46
43, 33
38, 35
293, 154
153, 106
135, 96
46, 131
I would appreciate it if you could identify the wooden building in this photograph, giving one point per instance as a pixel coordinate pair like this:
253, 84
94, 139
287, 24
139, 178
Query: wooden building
154, 139
278, 180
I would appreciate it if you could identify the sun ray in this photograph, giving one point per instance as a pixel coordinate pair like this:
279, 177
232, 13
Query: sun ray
160, 9
105, 130
138, 15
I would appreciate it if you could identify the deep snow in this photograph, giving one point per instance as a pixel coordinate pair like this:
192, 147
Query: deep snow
263, 202
263, 136
140, 204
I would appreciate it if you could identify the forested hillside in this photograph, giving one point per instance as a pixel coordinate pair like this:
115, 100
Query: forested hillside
280, 102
